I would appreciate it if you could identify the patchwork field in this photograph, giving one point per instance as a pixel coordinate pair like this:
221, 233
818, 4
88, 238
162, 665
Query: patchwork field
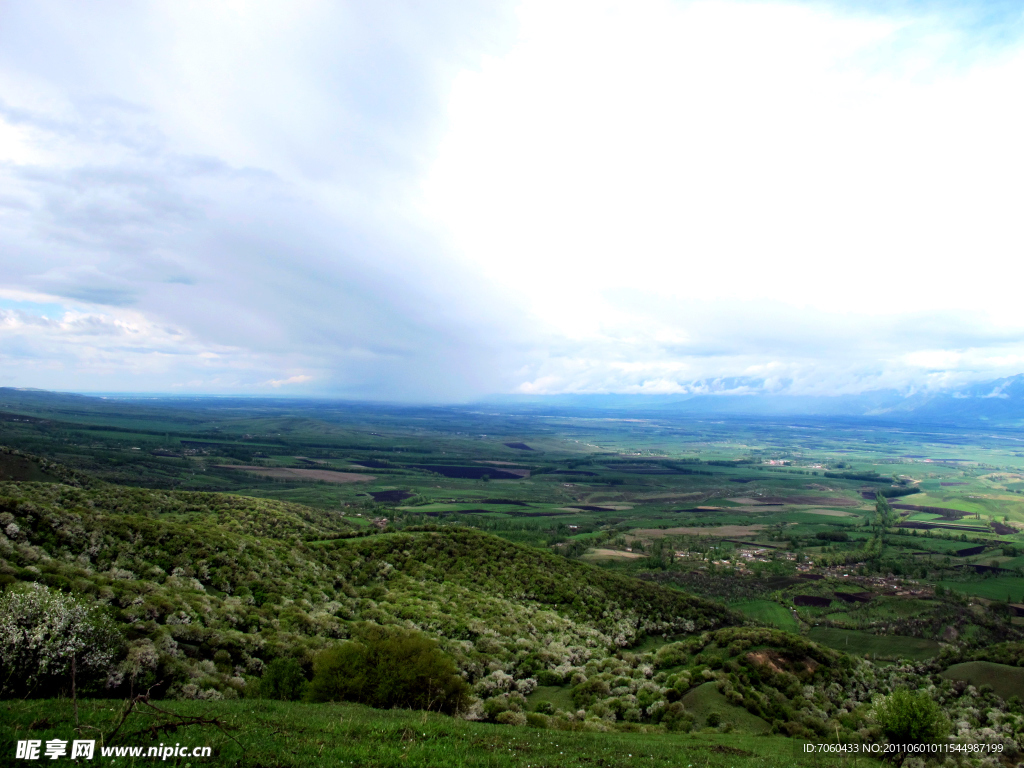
688, 496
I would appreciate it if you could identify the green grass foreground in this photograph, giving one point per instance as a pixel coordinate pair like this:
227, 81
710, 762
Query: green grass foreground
273, 734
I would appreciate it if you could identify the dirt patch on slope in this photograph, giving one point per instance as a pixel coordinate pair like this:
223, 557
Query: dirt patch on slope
290, 473
778, 663
722, 530
618, 553
812, 501
769, 659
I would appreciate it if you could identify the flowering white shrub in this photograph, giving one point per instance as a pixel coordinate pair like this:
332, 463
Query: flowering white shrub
526, 686
495, 682
42, 630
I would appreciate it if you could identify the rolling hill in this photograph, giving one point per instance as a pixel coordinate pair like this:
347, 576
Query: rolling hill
208, 588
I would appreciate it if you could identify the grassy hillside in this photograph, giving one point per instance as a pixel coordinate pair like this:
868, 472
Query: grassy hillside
1006, 681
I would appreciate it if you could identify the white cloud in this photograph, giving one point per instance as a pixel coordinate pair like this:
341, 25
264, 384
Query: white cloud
298, 379
624, 161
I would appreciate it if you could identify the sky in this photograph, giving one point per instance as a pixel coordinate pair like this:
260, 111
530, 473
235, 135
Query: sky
442, 201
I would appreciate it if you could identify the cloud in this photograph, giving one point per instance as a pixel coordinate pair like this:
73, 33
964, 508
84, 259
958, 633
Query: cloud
237, 175
440, 201
711, 188
300, 379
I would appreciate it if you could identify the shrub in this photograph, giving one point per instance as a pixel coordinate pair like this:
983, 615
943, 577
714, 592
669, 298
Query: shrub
645, 697
43, 633
907, 718
495, 706
282, 679
547, 677
511, 718
536, 720
388, 668
676, 718
589, 691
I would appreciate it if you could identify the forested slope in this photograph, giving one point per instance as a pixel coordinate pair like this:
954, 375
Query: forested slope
210, 587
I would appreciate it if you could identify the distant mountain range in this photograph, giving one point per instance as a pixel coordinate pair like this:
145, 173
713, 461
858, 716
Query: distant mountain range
995, 403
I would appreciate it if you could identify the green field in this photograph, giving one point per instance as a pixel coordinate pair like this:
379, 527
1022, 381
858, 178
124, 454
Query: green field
996, 588
880, 646
264, 733
941, 546
1013, 562
768, 612
1005, 680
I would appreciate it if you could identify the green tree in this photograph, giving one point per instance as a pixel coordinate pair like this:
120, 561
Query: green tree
389, 667
885, 517
907, 718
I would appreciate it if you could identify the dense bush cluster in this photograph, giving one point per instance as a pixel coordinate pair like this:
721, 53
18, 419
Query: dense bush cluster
387, 667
